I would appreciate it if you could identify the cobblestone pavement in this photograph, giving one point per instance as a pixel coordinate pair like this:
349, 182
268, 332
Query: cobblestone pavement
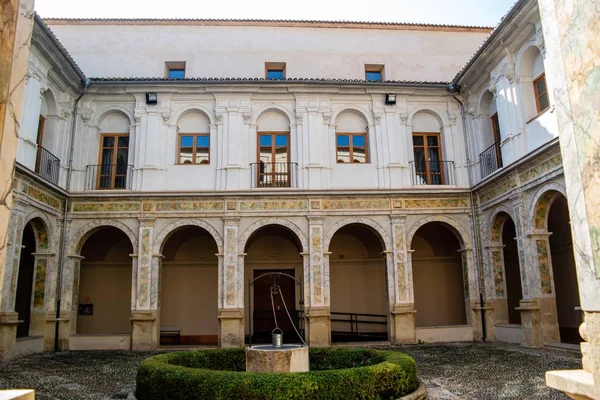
450, 371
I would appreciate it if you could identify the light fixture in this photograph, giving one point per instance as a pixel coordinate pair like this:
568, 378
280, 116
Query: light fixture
390, 98
151, 98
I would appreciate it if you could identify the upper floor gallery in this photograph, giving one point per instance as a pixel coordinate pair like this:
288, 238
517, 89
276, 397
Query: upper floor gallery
181, 134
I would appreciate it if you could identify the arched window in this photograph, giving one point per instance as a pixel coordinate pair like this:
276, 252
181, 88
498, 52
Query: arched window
429, 167
491, 157
193, 138
46, 162
273, 167
352, 140
535, 94
112, 170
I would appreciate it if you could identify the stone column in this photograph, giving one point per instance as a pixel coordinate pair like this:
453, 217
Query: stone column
471, 293
40, 304
231, 288
572, 38
316, 286
145, 315
70, 301
15, 38
399, 280
497, 296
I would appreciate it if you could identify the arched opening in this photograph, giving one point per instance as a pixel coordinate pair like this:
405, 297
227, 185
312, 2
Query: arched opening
189, 288
564, 270
512, 270
273, 249
47, 163
273, 166
193, 138
428, 165
23, 301
105, 283
351, 138
113, 171
491, 156
357, 272
439, 287
533, 82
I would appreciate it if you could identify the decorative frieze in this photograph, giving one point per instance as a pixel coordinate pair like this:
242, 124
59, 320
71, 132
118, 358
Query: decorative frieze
498, 189
540, 169
96, 207
277, 205
437, 203
182, 206
362, 204
44, 197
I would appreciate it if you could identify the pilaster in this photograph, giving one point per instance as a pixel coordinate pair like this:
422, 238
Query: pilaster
399, 279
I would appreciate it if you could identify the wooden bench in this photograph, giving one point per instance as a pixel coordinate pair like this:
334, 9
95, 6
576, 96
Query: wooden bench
173, 333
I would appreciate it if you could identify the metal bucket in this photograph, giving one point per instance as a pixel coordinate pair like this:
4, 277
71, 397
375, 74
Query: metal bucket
277, 337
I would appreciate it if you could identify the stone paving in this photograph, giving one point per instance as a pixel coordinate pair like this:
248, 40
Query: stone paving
450, 371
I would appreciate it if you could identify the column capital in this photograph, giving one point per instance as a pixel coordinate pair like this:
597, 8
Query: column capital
146, 221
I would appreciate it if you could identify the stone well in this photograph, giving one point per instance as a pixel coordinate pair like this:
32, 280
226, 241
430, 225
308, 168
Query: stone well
267, 358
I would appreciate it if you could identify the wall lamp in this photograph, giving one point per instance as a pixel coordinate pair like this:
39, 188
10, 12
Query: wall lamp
151, 98
390, 99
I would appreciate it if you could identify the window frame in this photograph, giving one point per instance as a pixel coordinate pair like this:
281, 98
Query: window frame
273, 174
194, 148
39, 141
101, 148
375, 68
275, 66
426, 151
175, 65
351, 145
538, 106
497, 138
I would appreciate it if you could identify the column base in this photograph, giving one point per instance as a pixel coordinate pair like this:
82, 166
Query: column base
490, 325
549, 320
145, 334
318, 327
577, 384
8, 334
231, 327
531, 323
402, 323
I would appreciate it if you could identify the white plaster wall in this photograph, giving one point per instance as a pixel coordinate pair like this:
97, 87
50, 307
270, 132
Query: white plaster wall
241, 51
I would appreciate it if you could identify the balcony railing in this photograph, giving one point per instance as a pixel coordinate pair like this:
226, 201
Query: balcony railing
432, 172
108, 177
48, 165
279, 174
490, 160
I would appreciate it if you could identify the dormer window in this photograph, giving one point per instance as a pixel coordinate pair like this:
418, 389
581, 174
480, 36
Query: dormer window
175, 69
374, 72
275, 71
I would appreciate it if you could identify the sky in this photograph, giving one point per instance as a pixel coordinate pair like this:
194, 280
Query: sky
455, 12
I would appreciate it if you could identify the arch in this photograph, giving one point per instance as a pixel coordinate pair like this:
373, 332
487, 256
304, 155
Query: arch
167, 231
496, 222
382, 234
485, 99
106, 110
272, 221
196, 107
541, 203
268, 107
49, 98
42, 228
363, 113
524, 55
440, 117
78, 240
351, 121
186, 122
461, 234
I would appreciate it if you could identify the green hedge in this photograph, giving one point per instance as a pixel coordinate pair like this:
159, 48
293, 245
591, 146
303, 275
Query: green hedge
336, 373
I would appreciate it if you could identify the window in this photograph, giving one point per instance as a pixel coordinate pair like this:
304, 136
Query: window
429, 167
194, 148
275, 71
175, 69
113, 167
497, 138
351, 148
39, 141
374, 72
273, 159
541, 93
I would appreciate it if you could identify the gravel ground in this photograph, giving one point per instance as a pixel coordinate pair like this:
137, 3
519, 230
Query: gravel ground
450, 371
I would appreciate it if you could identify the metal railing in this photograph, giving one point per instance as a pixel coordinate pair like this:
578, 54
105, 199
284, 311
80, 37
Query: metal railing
490, 160
432, 172
48, 165
279, 174
356, 321
108, 177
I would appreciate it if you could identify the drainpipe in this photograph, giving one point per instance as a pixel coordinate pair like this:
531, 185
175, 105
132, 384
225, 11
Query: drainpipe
474, 220
63, 237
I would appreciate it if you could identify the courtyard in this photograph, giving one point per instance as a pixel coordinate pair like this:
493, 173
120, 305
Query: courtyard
450, 371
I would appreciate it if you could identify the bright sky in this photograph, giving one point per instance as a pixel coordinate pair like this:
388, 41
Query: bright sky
458, 12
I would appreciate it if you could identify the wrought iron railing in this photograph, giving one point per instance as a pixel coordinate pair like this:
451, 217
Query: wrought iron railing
108, 176
48, 165
279, 174
490, 160
353, 327
432, 172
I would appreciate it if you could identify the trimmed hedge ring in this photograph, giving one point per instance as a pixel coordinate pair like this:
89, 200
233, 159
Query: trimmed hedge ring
335, 373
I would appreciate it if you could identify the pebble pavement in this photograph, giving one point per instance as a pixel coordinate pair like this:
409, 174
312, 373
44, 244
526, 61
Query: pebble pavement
450, 371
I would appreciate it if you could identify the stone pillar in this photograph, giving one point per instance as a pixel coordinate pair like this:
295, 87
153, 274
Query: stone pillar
69, 306
145, 315
316, 287
40, 305
497, 301
231, 288
471, 292
401, 326
572, 39
8, 282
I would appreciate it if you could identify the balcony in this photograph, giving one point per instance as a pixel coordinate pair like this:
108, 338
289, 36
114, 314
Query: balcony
274, 175
490, 160
108, 177
432, 173
47, 165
